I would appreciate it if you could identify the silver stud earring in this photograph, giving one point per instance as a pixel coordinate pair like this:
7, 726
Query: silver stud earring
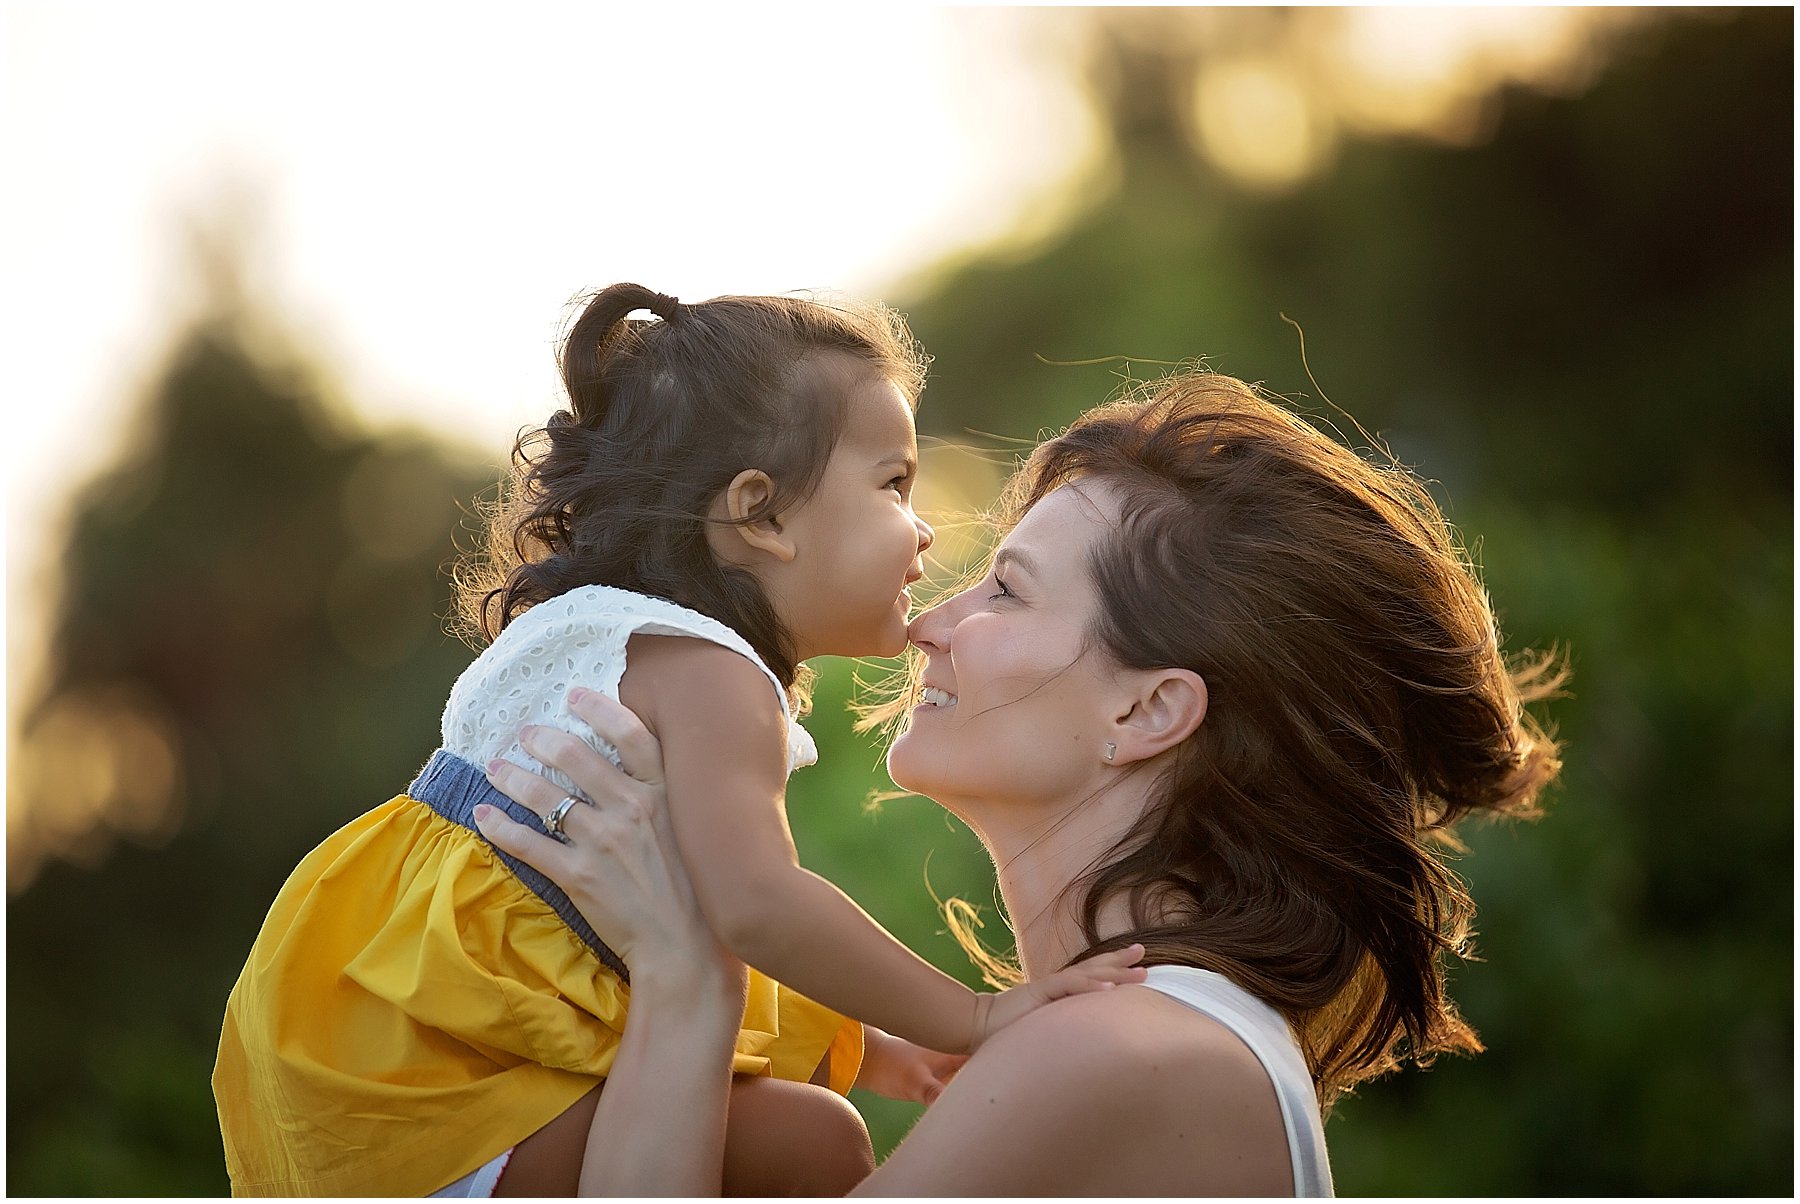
1111, 748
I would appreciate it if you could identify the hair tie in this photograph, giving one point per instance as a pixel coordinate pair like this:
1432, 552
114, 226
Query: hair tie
663, 306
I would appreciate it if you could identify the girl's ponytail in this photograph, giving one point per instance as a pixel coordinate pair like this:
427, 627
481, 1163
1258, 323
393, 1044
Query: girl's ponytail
599, 333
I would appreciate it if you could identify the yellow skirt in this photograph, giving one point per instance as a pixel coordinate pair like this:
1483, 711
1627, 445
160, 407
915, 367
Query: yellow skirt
412, 1009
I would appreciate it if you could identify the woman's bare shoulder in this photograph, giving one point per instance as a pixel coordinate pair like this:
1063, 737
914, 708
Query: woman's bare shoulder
1139, 1041
1123, 1091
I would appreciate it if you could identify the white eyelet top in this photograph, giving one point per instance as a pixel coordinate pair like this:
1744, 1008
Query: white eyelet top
575, 639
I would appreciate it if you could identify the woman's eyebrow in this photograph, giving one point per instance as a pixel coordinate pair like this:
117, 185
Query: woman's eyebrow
1011, 558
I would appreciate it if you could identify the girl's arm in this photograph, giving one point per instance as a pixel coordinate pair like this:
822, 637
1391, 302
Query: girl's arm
724, 743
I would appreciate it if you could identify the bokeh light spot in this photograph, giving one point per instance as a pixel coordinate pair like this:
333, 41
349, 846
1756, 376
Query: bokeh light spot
1256, 121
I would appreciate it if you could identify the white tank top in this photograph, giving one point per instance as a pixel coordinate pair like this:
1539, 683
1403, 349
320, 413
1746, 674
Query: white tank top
1263, 1029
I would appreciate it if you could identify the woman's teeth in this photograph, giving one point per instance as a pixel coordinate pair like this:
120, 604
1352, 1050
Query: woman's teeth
934, 697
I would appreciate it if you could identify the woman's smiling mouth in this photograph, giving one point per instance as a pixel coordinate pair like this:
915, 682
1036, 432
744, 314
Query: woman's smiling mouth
931, 696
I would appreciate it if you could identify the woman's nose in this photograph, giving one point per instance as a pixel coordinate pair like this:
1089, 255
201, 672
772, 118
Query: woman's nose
928, 628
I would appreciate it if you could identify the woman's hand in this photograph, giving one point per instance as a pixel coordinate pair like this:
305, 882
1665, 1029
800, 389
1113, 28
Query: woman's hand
659, 1126
621, 867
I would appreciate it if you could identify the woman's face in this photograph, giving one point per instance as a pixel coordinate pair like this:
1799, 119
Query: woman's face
1015, 696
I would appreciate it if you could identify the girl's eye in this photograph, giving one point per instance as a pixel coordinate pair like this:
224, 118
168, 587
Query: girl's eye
898, 484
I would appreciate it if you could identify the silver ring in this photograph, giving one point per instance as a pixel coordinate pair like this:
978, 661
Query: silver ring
553, 822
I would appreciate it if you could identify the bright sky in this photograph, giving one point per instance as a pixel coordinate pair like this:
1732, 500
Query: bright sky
435, 182
431, 184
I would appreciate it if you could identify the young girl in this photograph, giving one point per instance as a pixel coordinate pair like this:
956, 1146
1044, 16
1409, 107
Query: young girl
728, 496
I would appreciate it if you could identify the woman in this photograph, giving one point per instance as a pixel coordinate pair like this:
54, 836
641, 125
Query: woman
1222, 690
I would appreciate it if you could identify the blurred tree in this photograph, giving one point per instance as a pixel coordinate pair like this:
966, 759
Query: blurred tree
249, 652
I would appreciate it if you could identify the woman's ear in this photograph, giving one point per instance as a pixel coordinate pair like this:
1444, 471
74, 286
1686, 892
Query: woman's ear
743, 505
1167, 708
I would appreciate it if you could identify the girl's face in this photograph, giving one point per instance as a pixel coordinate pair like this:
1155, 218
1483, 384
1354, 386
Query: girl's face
858, 543
1015, 697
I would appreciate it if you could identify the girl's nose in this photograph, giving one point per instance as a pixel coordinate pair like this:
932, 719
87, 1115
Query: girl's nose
926, 535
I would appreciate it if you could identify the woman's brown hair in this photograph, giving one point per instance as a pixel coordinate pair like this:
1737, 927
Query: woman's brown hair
617, 489
1359, 706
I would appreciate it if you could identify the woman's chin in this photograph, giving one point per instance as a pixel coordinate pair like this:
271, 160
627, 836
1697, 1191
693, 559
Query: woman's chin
904, 767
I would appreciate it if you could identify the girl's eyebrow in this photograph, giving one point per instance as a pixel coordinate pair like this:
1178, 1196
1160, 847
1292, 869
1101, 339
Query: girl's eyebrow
898, 460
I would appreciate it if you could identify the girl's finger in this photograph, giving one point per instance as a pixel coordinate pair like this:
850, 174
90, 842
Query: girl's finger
640, 753
1106, 963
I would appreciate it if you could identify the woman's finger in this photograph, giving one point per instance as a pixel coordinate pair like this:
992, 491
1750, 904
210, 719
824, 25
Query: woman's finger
597, 778
527, 789
640, 753
540, 852
575, 757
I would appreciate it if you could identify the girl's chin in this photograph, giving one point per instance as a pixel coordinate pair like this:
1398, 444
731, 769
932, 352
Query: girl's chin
891, 643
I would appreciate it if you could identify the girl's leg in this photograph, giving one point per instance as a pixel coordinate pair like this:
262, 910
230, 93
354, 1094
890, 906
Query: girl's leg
781, 1139
793, 1139
548, 1163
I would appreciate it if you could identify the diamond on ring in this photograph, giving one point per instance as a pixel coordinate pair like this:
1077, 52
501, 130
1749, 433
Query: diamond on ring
553, 822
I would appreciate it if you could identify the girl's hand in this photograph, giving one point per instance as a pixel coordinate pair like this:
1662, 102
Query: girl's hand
897, 1069
1100, 972
620, 867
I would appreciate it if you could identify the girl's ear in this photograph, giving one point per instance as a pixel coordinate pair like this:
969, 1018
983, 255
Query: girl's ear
1167, 708
748, 495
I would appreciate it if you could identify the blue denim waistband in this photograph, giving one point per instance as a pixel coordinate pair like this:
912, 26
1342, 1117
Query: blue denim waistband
452, 787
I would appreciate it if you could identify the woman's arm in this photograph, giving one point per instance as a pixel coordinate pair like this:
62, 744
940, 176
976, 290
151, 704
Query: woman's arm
680, 1036
659, 1127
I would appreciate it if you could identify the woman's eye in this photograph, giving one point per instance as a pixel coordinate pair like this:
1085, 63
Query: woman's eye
1004, 592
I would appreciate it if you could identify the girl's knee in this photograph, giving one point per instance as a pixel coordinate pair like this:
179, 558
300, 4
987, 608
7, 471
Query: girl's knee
793, 1139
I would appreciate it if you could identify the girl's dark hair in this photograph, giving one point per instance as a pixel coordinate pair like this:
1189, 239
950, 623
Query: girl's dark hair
1359, 705
616, 489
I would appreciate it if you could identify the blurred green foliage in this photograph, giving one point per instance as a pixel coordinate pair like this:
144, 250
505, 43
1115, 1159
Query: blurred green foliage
1581, 329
